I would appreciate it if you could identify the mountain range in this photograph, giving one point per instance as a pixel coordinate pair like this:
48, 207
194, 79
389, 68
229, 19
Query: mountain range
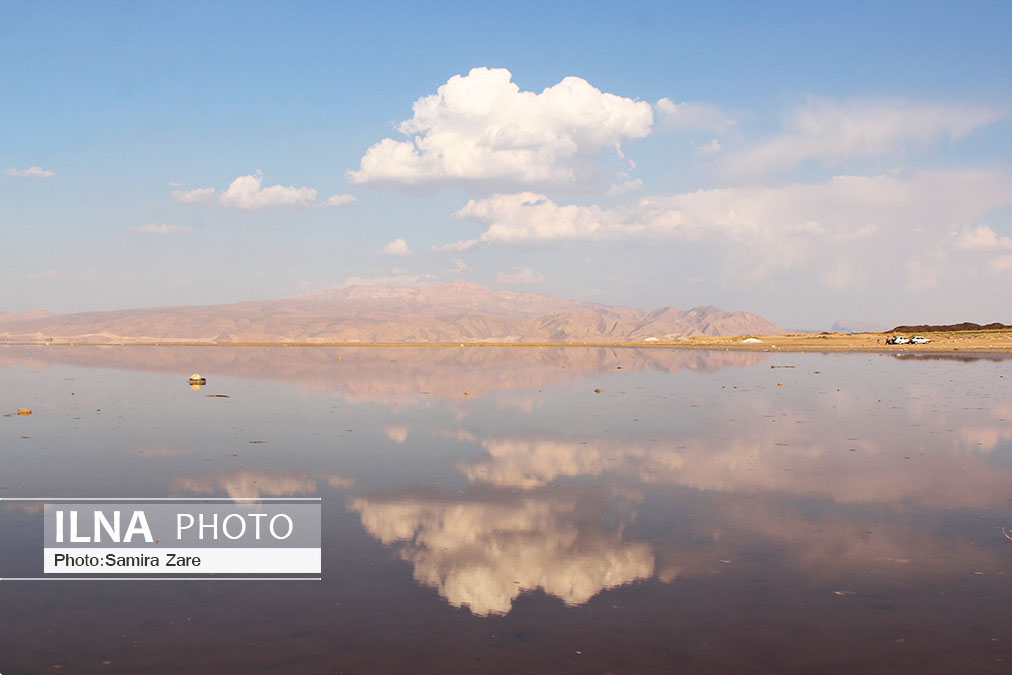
452, 312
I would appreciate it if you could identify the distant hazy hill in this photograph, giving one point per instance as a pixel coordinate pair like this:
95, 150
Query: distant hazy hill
952, 327
455, 312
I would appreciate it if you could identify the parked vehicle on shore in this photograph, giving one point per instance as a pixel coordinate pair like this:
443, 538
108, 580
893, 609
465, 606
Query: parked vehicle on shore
902, 340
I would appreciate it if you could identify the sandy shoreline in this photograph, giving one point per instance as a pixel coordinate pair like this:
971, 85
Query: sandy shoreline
970, 341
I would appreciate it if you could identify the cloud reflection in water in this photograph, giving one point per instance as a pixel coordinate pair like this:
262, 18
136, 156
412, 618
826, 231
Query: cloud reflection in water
483, 552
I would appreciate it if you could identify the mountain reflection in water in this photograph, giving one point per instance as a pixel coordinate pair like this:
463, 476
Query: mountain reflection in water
387, 373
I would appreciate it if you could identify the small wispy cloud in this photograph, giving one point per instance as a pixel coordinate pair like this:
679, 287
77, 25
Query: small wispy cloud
456, 246
391, 280
398, 247
195, 196
248, 193
523, 276
31, 172
1001, 263
339, 200
981, 238
831, 131
692, 115
707, 149
155, 228
628, 186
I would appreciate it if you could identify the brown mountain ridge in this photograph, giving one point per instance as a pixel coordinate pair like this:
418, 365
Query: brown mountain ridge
452, 312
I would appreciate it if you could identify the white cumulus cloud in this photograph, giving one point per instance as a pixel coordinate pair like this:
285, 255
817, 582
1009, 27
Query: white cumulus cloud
31, 172
248, 193
524, 275
772, 228
398, 247
831, 131
841, 204
482, 127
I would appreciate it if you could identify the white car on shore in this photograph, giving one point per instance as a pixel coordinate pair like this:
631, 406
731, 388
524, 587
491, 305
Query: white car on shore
901, 340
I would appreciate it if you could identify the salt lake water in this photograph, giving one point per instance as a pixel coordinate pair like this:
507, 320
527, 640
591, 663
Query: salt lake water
583, 510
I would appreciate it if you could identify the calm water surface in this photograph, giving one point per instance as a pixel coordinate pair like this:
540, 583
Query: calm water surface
487, 510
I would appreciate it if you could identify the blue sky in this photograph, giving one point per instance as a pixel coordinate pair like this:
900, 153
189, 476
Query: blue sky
805, 161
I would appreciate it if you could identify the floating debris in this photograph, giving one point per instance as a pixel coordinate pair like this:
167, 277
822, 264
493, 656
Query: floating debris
24, 412
197, 381
217, 395
1007, 535
597, 391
